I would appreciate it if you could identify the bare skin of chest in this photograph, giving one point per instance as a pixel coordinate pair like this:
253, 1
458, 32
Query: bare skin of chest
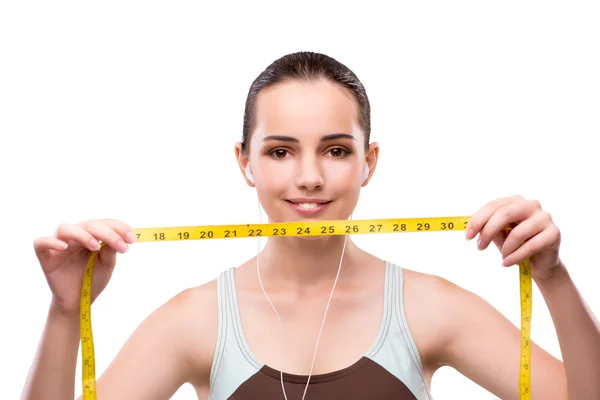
351, 327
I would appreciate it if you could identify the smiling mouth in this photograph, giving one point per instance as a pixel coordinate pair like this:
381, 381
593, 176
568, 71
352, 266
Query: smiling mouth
309, 205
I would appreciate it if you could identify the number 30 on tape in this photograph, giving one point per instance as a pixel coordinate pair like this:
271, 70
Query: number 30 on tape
296, 229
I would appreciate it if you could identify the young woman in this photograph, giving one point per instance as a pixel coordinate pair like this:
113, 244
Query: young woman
306, 150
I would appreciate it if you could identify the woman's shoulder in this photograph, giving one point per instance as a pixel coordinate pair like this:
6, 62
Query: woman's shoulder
433, 306
193, 314
198, 301
433, 301
197, 308
428, 289
443, 316
176, 342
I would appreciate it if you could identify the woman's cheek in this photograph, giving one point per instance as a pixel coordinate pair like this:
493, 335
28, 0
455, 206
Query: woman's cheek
342, 178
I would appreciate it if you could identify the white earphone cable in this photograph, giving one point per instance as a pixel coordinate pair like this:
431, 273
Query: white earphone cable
325, 315
272, 306
279, 318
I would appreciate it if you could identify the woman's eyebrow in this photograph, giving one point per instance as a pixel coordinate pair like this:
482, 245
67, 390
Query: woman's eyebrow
332, 136
335, 136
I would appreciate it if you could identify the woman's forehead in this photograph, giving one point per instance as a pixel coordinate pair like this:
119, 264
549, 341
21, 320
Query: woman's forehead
306, 110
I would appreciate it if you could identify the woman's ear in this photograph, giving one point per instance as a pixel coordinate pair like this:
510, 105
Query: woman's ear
372, 157
244, 164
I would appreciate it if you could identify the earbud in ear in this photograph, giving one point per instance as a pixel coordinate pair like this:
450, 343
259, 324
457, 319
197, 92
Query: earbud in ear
366, 173
249, 173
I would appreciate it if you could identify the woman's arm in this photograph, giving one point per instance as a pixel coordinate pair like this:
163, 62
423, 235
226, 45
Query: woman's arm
485, 346
53, 372
480, 343
578, 333
173, 346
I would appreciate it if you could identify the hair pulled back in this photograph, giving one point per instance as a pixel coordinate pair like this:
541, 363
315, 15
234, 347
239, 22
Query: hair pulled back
308, 66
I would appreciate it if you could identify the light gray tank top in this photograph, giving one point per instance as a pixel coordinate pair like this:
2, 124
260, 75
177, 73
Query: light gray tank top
391, 368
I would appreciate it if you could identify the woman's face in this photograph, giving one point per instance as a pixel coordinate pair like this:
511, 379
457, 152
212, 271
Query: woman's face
307, 151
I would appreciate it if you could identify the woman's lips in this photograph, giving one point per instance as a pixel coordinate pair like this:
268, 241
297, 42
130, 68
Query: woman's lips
308, 206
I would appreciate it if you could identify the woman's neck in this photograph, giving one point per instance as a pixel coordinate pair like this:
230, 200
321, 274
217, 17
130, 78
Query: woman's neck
304, 263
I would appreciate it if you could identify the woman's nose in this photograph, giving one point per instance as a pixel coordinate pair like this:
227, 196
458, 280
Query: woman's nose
309, 176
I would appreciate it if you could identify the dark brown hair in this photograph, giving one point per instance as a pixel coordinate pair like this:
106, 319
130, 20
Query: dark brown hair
307, 66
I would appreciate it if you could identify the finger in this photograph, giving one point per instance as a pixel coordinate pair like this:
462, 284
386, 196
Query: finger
107, 256
531, 247
478, 220
124, 230
66, 232
101, 231
499, 239
524, 231
513, 212
43, 244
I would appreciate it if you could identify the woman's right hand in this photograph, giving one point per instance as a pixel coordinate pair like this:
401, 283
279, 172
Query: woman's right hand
64, 258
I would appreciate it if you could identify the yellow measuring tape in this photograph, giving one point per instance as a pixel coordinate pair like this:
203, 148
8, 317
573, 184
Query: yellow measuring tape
317, 228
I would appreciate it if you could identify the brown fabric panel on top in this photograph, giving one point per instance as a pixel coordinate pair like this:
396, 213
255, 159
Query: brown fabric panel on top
363, 380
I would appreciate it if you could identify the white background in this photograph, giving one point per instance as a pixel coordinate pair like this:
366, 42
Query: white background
131, 110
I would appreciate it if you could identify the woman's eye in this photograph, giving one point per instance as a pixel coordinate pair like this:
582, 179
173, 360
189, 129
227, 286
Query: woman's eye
279, 153
337, 152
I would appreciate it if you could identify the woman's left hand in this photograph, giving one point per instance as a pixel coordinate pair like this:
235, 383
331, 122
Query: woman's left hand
533, 233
